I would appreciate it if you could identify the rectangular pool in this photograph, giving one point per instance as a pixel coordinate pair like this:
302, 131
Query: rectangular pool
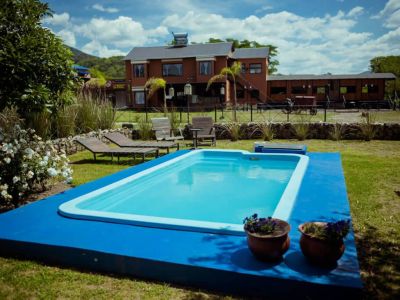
203, 190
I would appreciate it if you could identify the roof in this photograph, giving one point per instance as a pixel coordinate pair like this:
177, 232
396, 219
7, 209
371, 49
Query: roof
78, 67
170, 52
251, 53
331, 76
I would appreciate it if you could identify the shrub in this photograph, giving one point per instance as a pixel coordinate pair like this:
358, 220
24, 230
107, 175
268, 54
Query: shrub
302, 128
65, 121
94, 112
337, 132
28, 164
86, 119
175, 121
145, 129
266, 130
40, 122
106, 115
367, 125
9, 117
233, 130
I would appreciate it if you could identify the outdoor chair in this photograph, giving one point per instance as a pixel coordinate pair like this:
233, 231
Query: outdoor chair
122, 141
163, 130
207, 129
96, 146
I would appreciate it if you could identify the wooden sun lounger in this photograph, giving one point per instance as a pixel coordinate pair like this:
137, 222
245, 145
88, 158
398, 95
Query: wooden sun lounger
96, 146
123, 141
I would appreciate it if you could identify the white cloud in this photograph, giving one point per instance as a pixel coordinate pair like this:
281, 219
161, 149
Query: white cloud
98, 49
390, 7
390, 13
322, 44
263, 8
122, 32
356, 11
305, 45
100, 7
393, 20
57, 19
67, 36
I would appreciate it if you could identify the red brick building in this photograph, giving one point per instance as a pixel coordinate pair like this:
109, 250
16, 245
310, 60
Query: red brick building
363, 88
196, 64
184, 63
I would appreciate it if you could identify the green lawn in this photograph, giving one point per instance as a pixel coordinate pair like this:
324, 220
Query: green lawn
276, 115
373, 182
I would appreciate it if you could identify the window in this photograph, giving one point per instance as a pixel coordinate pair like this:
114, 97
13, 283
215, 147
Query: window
299, 90
255, 68
172, 70
320, 90
364, 90
243, 68
138, 70
255, 94
373, 89
277, 90
139, 97
205, 67
347, 89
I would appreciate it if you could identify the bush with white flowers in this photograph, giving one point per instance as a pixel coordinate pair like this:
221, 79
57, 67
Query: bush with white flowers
27, 164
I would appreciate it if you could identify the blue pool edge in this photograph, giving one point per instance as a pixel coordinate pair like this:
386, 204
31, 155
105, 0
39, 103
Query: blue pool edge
70, 208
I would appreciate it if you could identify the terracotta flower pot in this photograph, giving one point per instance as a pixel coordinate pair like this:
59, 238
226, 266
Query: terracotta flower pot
318, 251
270, 247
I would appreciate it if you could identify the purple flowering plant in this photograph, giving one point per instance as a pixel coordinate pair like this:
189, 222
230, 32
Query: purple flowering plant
331, 231
262, 226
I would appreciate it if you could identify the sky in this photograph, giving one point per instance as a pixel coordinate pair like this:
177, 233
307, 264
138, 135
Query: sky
312, 36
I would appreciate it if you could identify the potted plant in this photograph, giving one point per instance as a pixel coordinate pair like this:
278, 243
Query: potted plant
267, 238
322, 242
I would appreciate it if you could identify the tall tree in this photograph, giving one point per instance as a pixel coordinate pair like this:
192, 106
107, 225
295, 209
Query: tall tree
233, 71
273, 50
153, 85
388, 64
35, 67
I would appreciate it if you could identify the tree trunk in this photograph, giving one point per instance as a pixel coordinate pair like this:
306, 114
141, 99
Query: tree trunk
234, 100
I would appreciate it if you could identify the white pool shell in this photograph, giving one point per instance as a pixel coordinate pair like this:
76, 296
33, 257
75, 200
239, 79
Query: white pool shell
282, 211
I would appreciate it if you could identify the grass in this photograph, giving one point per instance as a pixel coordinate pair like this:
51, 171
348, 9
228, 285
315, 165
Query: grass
372, 177
276, 115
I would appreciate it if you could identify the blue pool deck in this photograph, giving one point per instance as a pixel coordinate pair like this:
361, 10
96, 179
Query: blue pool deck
202, 260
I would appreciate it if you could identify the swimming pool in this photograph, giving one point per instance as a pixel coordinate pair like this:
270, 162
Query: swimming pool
203, 190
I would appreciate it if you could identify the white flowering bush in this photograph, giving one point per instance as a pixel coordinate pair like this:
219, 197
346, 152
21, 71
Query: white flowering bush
27, 164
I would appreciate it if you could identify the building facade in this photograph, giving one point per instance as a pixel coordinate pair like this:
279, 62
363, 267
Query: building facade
184, 63
196, 64
364, 88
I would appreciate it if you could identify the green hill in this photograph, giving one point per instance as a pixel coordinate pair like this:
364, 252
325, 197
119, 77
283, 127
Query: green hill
112, 67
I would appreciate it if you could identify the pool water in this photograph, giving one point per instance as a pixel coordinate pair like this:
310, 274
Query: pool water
204, 190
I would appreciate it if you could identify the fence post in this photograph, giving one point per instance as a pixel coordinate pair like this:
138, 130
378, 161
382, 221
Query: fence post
180, 114
325, 114
251, 113
146, 114
215, 113
287, 117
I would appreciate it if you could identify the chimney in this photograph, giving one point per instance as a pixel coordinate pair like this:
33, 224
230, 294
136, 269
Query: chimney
180, 39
